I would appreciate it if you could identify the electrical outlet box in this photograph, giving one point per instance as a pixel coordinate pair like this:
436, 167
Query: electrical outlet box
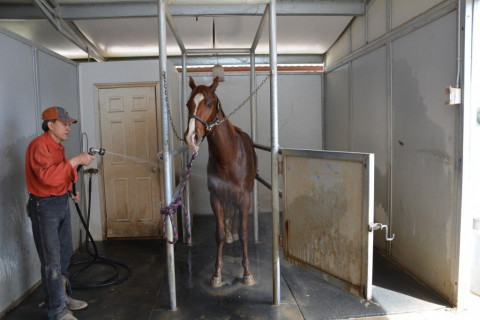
453, 96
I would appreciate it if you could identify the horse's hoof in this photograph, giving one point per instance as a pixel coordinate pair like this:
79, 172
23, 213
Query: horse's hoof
248, 280
216, 282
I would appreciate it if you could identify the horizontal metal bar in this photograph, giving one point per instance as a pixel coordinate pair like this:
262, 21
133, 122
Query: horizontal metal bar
202, 60
262, 147
267, 184
181, 150
82, 11
218, 50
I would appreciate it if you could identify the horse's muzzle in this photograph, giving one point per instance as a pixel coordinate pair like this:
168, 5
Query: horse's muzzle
193, 143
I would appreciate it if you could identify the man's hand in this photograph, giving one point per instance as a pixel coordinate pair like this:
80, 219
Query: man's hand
83, 159
75, 197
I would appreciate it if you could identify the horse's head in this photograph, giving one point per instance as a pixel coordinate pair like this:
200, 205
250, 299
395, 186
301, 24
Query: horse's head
203, 107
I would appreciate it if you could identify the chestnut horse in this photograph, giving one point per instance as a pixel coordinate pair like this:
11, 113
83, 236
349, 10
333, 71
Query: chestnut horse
231, 170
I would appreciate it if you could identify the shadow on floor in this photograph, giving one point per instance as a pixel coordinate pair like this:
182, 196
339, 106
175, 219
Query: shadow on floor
145, 294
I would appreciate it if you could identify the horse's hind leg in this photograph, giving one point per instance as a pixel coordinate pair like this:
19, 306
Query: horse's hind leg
218, 209
243, 211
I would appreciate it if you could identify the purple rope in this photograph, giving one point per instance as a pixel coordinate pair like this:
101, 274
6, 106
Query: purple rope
170, 210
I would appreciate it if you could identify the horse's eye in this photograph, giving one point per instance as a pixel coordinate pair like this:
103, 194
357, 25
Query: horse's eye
209, 105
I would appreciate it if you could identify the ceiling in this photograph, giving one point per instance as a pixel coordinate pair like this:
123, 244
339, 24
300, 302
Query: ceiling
126, 29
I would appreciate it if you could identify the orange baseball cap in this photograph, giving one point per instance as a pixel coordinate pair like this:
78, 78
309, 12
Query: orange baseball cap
57, 113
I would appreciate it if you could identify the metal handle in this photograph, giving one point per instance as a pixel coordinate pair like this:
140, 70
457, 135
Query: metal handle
378, 226
154, 169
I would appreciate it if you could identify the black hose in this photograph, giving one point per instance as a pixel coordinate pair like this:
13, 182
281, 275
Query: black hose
96, 259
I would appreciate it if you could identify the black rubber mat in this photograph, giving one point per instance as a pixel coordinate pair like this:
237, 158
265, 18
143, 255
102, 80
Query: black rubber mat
303, 294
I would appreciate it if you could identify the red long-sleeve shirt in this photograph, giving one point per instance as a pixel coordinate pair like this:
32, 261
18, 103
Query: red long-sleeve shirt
47, 171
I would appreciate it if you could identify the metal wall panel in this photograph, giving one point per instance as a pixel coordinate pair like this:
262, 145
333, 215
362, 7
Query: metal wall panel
58, 86
404, 10
20, 122
424, 162
337, 110
357, 30
370, 125
328, 208
339, 49
19, 265
377, 19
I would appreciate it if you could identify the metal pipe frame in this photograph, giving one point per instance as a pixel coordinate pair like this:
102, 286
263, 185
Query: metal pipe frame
167, 168
275, 148
270, 12
253, 130
184, 116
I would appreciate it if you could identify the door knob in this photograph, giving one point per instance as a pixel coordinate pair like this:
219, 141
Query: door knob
154, 169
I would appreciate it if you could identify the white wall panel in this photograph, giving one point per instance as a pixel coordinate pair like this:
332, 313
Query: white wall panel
424, 154
370, 125
337, 110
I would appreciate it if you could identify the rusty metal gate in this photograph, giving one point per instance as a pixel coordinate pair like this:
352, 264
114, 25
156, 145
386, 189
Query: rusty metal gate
328, 215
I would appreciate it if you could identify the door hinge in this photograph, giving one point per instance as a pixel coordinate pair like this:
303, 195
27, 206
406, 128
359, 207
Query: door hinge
280, 166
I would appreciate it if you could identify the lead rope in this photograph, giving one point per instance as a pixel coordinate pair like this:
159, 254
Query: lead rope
170, 210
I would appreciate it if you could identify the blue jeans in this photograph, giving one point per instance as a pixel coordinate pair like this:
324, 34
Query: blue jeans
52, 233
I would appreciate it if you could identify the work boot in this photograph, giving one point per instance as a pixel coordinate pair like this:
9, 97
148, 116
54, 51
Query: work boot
73, 304
68, 316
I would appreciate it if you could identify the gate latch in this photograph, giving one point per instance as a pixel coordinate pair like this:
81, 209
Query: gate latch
378, 226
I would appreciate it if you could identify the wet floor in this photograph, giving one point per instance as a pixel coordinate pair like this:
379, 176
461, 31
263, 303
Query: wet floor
304, 295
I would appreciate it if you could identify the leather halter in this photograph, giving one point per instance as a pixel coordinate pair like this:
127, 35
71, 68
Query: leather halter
208, 125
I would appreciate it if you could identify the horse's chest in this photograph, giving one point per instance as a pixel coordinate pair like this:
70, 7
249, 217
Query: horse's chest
225, 187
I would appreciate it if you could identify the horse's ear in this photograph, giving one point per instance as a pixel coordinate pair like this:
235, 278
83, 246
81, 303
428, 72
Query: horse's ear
214, 85
191, 83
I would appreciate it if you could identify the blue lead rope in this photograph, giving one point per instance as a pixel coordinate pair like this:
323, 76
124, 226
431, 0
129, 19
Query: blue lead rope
169, 211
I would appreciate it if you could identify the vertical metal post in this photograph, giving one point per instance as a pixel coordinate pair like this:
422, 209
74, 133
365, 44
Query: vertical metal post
275, 149
186, 193
167, 169
253, 130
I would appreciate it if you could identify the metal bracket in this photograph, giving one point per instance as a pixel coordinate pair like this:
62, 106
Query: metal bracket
90, 171
378, 226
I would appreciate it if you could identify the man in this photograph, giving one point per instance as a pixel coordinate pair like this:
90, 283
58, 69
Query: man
49, 177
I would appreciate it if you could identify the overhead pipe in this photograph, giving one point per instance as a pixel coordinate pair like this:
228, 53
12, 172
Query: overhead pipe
174, 30
56, 21
260, 29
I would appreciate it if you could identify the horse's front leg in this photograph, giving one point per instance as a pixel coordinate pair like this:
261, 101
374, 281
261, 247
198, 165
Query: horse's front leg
218, 209
243, 211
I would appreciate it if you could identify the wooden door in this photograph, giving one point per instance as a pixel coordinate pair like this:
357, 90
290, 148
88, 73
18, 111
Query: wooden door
132, 178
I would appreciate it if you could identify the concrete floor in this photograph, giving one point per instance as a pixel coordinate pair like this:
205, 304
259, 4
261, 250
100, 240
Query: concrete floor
144, 295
